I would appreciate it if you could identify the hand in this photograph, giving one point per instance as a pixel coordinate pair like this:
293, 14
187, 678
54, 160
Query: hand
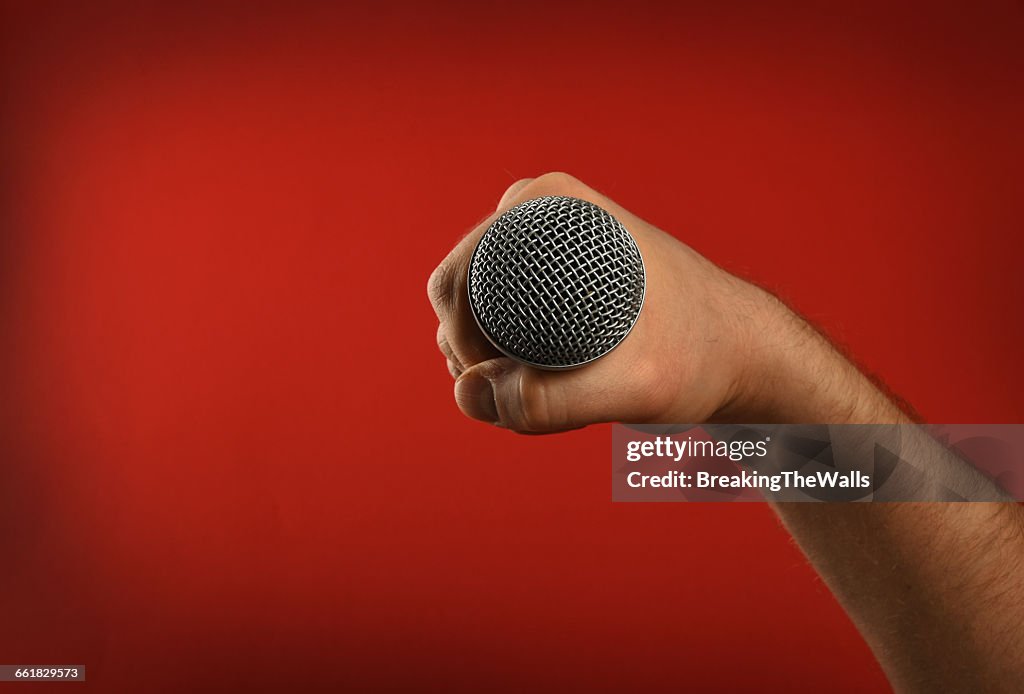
703, 349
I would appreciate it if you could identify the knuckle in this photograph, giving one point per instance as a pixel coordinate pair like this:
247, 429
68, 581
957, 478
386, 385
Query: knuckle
513, 190
454, 369
558, 179
441, 286
445, 347
552, 183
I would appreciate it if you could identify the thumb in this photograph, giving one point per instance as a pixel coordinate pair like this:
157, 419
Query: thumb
511, 395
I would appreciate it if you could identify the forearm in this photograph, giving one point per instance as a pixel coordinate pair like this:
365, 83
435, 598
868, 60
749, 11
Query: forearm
936, 589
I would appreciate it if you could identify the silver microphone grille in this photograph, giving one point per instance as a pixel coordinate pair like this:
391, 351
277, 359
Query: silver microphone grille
556, 282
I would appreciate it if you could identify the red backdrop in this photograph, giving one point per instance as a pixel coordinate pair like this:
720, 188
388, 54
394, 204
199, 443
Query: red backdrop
228, 448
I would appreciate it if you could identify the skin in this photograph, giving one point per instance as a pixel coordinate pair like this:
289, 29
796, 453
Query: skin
937, 590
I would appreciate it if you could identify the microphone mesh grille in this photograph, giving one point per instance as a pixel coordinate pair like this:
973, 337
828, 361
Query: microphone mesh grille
556, 282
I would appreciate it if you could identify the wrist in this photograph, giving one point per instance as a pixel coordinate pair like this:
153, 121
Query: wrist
789, 372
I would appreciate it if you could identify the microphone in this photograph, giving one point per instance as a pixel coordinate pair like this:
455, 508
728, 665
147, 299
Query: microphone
556, 282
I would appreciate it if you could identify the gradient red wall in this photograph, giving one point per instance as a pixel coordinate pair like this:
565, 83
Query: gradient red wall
228, 449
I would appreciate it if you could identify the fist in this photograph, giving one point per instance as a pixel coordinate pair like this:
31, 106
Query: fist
682, 362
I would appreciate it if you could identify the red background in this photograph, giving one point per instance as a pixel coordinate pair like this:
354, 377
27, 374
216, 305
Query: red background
228, 449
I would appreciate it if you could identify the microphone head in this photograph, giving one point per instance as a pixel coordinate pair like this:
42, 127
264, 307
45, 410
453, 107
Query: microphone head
556, 282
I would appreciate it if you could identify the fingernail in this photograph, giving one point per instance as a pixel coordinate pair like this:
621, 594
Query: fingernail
475, 397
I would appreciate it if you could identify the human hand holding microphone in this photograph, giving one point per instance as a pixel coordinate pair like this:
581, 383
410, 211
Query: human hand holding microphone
933, 588
706, 346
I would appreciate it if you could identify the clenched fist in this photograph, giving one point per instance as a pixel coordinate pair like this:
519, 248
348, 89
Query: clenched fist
706, 347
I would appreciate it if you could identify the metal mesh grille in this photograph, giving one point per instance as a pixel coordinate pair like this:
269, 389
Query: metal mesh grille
556, 282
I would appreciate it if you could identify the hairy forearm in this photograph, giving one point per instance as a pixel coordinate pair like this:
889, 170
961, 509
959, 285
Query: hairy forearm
937, 589
934, 588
